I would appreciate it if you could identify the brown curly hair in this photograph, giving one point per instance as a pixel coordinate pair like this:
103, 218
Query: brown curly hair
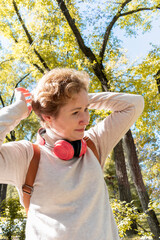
55, 88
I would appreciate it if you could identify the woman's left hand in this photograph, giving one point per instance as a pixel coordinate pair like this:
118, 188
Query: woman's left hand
24, 95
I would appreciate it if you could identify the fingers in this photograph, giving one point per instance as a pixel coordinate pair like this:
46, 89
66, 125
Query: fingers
24, 90
26, 94
29, 108
28, 100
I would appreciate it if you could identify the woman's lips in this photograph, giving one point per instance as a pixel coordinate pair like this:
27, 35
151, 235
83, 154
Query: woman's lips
79, 130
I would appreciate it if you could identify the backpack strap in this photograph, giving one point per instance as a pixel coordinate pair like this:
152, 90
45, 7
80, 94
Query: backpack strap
30, 177
33, 168
92, 146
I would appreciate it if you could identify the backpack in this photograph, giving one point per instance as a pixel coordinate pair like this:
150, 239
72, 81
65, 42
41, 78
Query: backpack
27, 188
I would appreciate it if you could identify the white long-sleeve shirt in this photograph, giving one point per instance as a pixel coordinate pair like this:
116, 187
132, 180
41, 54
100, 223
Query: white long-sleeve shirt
70, 199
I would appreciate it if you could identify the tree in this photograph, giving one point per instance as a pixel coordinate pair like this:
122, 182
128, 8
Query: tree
121, 172
13, 221
141, 189
39, 47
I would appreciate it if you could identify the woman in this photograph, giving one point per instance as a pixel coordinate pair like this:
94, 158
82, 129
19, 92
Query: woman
70, 198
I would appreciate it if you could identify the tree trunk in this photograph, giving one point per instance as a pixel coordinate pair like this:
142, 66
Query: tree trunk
3, 192
157, 78
121, 172
123, 183
139, 184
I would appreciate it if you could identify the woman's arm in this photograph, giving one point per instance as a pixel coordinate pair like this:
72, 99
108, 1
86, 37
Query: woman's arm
13, 155
126, 108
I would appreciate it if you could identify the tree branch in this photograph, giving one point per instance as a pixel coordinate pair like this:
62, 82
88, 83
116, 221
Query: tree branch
13, 137
97, 67
7, 60
1, 99
139, 224
38, 67
113, 21
8, 139
16, 41
17, 86
157, 78
41, 60
138, 10
87, 51
12, 31
22, 23
29, 36
12, 133
109, 28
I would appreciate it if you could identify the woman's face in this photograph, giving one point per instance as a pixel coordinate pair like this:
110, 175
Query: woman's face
72, 118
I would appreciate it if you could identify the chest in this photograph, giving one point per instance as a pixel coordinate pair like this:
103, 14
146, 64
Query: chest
60, 182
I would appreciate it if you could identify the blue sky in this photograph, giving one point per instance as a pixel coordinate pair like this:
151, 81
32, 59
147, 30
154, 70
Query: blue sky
139, 46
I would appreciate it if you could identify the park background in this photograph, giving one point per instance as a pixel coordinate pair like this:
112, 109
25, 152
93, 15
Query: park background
117, 43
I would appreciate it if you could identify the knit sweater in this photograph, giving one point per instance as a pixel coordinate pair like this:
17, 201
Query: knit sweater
70, 199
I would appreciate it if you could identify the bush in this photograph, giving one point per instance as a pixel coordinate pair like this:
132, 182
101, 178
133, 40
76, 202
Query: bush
125, 215
12, 221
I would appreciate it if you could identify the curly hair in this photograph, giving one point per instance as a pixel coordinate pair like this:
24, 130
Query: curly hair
54, 90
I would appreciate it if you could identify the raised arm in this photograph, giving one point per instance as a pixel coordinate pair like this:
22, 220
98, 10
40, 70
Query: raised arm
126, 108
13, 155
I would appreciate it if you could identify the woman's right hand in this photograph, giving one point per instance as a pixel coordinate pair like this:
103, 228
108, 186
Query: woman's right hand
24, 95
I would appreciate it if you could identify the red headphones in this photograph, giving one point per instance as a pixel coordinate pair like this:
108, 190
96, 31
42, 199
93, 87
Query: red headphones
64, 149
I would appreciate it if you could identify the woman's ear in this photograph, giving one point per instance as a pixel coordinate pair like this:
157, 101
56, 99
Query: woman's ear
46, 118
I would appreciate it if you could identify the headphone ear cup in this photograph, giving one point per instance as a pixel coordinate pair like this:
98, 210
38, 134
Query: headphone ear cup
63, 150
83, 147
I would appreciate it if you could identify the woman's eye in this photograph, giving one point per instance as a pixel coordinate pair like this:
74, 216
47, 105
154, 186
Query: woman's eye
86, 110
75, 113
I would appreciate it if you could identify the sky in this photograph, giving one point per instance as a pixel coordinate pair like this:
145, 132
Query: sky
138, 47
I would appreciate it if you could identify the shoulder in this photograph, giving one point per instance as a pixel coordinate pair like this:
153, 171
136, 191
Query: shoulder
18, 149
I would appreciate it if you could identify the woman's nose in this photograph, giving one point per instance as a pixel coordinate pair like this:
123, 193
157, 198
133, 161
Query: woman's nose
85, 119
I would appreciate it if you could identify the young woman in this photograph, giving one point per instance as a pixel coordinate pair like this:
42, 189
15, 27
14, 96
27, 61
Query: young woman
70, 198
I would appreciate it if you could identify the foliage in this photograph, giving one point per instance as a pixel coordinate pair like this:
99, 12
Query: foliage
147, 136
12, 192
48, 42
12, 221
125, 214
50, 35
110, 177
